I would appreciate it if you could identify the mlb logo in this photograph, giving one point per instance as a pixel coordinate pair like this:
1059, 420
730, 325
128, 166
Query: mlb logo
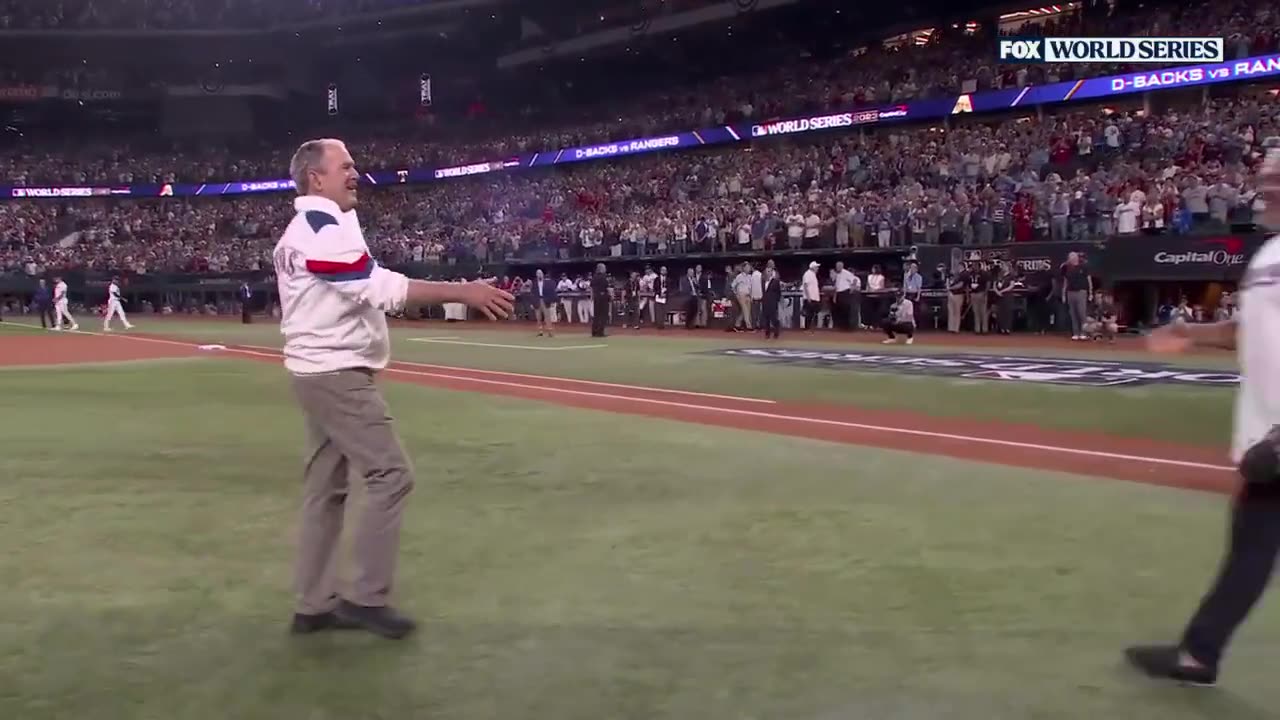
1020, 50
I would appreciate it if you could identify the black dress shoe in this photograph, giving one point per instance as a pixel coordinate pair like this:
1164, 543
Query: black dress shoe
1163, 662
306, 624
383, 621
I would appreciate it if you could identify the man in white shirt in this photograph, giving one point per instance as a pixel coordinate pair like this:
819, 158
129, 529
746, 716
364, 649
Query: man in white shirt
848, 288
114, 306
647, 308
584, 303
334, 299
564, 308
757, 294
811, 292
1255, 448
902, 321
1127, 214
60, 303
795, 230
741, 287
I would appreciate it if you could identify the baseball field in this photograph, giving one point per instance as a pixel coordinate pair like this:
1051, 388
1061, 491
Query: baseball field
645, 526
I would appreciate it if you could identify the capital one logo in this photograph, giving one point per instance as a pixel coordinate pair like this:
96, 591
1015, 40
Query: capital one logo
1231, 253
1021, 50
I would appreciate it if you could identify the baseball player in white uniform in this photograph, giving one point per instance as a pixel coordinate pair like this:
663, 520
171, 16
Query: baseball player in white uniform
1254, 540
60, 306
114, 306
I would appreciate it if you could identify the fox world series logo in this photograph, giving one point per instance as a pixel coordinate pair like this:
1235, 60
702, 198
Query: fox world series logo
1167, 50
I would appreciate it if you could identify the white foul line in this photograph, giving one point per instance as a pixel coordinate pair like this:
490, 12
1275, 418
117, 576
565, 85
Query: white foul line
275, 354
451, 341
573, 381
97, 364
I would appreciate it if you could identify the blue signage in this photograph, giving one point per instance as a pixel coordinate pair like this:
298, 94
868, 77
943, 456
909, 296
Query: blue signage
930, 109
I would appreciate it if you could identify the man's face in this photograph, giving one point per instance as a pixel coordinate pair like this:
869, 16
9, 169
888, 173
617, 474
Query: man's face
337, 179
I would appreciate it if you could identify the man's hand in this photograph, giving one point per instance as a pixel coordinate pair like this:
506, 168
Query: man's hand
496, 304
1170, 339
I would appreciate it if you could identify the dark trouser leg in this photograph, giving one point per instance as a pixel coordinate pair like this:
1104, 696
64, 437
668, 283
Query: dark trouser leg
599, 315
691, 313
769, 319
811, 308
45, 320
1251, 557
892, 329
841, 312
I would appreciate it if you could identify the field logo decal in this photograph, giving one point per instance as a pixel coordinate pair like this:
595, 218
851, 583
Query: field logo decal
1044, 370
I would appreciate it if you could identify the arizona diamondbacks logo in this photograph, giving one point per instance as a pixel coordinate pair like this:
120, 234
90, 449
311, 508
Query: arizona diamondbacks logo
1052, 371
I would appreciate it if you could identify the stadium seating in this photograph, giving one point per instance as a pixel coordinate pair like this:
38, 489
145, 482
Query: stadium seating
1067, 175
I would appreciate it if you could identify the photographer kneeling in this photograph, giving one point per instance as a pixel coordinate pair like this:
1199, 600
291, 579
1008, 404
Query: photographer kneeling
901, 320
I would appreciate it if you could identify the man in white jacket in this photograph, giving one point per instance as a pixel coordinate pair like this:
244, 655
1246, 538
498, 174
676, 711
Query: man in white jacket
334, 299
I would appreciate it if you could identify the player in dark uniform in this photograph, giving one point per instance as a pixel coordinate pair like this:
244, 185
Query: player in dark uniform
599, 301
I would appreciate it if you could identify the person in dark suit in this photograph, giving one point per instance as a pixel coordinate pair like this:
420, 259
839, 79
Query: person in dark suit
704, 296
660, 290
631, 298
1003, 297
772, 298
545, 297
246, 294
690, 291
599, 301
43, 302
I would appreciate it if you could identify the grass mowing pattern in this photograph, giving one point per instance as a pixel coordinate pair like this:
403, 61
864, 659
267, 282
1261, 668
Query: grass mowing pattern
570, 564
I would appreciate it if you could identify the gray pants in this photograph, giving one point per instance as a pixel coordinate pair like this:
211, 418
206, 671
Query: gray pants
955, 311
349, 431
981, 315
1078, 309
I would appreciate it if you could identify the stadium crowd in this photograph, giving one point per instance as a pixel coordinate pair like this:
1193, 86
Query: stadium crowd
1068, 176
951, 61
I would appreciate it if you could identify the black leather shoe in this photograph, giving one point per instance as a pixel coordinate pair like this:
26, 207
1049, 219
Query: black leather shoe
1163, 662
382, 621
307, 624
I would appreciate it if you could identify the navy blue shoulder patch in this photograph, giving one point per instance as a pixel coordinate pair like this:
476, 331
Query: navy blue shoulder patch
317, 219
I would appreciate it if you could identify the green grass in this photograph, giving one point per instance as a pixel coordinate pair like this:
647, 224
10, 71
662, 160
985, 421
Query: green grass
1183, 414
569, 564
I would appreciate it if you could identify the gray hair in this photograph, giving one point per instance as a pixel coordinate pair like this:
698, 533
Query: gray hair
308, 158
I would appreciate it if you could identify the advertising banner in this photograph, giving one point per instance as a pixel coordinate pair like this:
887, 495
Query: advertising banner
1030, 258
1180, 257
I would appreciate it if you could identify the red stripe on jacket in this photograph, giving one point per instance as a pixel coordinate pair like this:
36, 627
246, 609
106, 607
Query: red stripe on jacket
329, 267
